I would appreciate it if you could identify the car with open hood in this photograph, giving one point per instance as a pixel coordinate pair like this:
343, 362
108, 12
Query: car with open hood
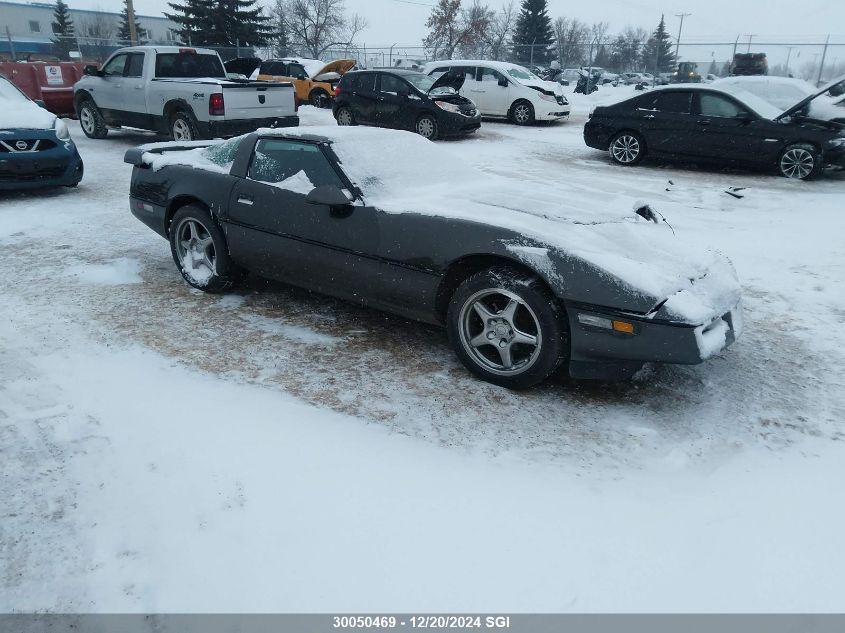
785, 92
702, 123
36, 149
405, 100
501, 89
525, 281
317, 87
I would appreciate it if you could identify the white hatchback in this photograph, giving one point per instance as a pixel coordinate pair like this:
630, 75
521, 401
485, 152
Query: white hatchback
500, 89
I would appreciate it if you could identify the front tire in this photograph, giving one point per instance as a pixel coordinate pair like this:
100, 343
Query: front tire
522, 113
91, 121
319, 98
199, 251
183, 127
800, 161
627, 148
427, 127
506, 328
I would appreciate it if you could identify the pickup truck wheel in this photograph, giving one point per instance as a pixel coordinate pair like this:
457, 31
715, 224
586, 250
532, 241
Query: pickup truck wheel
507, 328
91, 121
183, 127
199, 251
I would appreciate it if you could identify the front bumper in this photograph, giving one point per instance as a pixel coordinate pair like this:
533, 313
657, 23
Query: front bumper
835, 156
548, 111
606, 354
453, 124
236, 127
60, 166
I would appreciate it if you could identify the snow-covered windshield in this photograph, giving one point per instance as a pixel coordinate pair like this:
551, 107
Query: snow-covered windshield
421, 82
9, 91
758, 105
518, 72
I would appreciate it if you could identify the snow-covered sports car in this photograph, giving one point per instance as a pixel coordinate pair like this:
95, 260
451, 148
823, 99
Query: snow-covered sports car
525, 282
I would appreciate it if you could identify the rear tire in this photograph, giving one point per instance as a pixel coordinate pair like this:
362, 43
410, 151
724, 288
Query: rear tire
427, 127
183, 127
199, 251
521, 113
502, 316
627, 148
91, 121
801, 161
345, 116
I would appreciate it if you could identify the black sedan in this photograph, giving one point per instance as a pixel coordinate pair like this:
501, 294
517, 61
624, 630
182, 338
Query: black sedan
405, 100
523, 282
702, 123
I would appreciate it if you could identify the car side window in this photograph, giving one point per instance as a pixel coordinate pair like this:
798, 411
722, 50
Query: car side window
719, 106
297, 70
275, 161
467, 71
674, 102
115, 66
391, 84
277, 69
488, 74
135, 65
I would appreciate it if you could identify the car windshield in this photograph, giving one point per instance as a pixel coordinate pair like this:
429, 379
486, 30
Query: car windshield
9, 91
758, 105
421, 82
518, 72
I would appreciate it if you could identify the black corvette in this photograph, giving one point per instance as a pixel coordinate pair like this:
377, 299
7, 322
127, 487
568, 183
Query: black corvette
702, 123
523, 282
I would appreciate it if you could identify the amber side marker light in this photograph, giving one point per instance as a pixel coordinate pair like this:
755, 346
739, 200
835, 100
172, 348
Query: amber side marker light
623, 326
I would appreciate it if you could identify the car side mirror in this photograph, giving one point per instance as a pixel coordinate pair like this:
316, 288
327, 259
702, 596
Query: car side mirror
745, 117
503, 82
328, 195
91, 70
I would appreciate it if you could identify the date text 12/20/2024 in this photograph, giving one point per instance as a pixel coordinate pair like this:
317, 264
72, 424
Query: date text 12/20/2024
421, 622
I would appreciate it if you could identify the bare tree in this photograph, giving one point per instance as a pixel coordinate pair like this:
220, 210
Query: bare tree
450, 26
97, 32
626, 49
499, 32
317, 25
571, 38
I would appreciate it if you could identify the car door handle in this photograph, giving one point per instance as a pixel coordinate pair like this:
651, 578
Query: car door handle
246, 200
648, 116
704, 122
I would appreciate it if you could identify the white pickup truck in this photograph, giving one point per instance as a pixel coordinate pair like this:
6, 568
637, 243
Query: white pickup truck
179, 91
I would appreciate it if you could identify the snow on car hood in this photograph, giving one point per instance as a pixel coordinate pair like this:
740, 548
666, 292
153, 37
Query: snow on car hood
648, 258
21, 113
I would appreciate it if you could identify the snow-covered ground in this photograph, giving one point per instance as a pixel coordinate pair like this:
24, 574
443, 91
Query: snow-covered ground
269, 450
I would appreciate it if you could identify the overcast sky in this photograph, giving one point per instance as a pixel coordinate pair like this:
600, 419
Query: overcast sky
403, 21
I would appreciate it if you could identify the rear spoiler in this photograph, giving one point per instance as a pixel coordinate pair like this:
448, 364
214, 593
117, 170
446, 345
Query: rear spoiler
135, 156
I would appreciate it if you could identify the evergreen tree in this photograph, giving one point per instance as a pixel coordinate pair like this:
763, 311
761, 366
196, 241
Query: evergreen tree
657, 52
533, 32
713, 69
123, 32
63, 42
194, 19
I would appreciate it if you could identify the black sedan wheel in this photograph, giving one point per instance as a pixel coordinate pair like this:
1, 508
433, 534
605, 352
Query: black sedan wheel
345, 117
800, 161
199, 250
427, 127
91, 121
506, 328
627, 148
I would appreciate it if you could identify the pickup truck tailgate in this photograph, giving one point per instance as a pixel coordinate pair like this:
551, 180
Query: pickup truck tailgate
258, 99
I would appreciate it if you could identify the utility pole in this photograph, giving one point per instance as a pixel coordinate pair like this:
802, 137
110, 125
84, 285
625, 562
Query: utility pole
750, 35
680, 28
788, 55
736, 43
130, 16
821, 66
11, 45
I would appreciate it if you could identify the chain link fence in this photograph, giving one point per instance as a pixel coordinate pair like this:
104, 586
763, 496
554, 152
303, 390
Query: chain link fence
815, 62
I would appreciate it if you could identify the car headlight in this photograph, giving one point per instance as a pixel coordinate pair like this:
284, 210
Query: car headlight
449, 107
62, 133
546, 97
837, 142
